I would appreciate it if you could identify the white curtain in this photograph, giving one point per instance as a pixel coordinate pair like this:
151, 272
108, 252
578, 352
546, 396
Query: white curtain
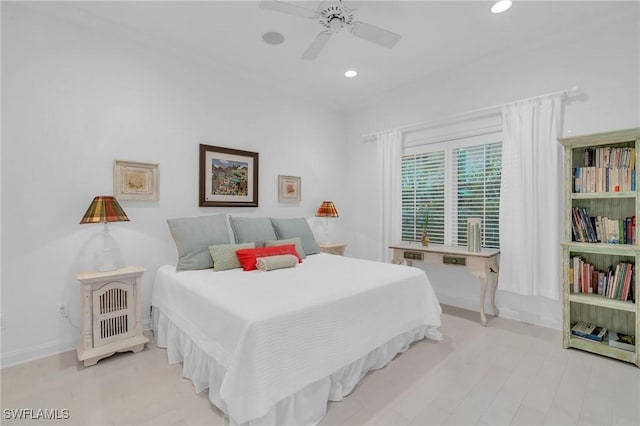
531, 198
389, 145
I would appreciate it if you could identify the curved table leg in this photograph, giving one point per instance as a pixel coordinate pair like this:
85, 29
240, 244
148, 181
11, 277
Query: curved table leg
483, 293
495, 271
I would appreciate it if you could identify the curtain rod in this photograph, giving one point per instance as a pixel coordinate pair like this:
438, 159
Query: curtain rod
476, 113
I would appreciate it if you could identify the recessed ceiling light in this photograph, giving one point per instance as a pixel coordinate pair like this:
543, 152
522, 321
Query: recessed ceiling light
350, 73
273, 37
501, 6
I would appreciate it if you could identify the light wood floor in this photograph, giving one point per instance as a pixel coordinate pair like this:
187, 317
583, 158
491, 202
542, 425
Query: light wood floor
508, 373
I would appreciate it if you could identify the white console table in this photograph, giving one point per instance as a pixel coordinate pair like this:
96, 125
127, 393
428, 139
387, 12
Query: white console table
481, 264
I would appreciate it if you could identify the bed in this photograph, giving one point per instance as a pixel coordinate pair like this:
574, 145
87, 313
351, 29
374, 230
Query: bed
273, 347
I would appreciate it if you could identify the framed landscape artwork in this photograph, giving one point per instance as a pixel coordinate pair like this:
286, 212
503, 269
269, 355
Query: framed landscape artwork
228, 177
135, 181
288, 189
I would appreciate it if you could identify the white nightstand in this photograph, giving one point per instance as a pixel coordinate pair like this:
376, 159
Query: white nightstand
333, 248
111, 316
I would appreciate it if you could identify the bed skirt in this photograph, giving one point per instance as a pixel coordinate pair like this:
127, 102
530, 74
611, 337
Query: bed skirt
305, 407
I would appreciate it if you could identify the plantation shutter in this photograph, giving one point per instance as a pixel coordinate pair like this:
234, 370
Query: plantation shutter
423, 190
476, 178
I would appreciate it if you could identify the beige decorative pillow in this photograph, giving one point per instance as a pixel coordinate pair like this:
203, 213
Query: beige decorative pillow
224, 255
276, 262
296, 241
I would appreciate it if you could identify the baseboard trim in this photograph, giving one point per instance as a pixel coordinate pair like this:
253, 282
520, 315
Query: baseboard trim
33, 353
460, 301
539, 321
463, 301
36, 352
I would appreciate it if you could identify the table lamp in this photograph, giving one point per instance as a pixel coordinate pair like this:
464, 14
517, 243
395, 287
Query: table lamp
327, 209
105, 208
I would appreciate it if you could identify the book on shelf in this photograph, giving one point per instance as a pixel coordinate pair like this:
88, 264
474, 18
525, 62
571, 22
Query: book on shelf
601, 282
622, 341
576, 274
613, 285
626, 286
588, 331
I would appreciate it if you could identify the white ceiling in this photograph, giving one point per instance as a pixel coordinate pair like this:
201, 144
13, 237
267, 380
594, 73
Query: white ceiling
436, 35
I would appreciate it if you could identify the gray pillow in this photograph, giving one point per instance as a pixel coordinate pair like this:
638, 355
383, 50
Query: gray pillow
296, 241
224, 255
252, 229
194, 235
297, 227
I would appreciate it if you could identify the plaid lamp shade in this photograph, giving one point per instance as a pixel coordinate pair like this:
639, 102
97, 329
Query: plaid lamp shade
104, 208
327, 209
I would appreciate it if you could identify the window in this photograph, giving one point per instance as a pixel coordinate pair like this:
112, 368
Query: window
423, 180
446, 183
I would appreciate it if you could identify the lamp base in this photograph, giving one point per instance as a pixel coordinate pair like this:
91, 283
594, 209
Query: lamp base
326, 231
107, 262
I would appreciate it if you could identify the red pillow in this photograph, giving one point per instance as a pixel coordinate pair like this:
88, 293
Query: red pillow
247, 257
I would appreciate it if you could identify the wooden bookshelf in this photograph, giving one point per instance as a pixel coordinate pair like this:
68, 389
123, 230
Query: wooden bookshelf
614, 314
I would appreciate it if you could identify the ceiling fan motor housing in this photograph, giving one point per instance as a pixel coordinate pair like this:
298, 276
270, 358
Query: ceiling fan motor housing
334, 16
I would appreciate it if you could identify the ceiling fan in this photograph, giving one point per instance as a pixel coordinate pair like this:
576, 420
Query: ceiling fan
334, 16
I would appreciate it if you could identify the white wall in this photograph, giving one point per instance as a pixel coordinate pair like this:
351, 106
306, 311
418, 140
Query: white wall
77, 98
604, 60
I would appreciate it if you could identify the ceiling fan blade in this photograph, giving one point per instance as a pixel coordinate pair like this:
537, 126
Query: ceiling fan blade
316, 45
375, 34
288, 8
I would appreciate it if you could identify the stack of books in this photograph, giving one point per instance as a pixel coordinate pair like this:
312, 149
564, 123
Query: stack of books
589, 332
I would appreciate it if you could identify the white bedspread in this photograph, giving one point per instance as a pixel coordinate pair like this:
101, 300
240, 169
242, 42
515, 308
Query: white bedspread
276, 332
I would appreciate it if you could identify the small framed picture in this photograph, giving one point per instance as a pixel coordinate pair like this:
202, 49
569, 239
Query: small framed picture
135, 181
228, 177
289, 189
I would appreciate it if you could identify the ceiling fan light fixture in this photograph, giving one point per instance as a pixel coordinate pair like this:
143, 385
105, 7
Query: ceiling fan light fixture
335, 25
350, 73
